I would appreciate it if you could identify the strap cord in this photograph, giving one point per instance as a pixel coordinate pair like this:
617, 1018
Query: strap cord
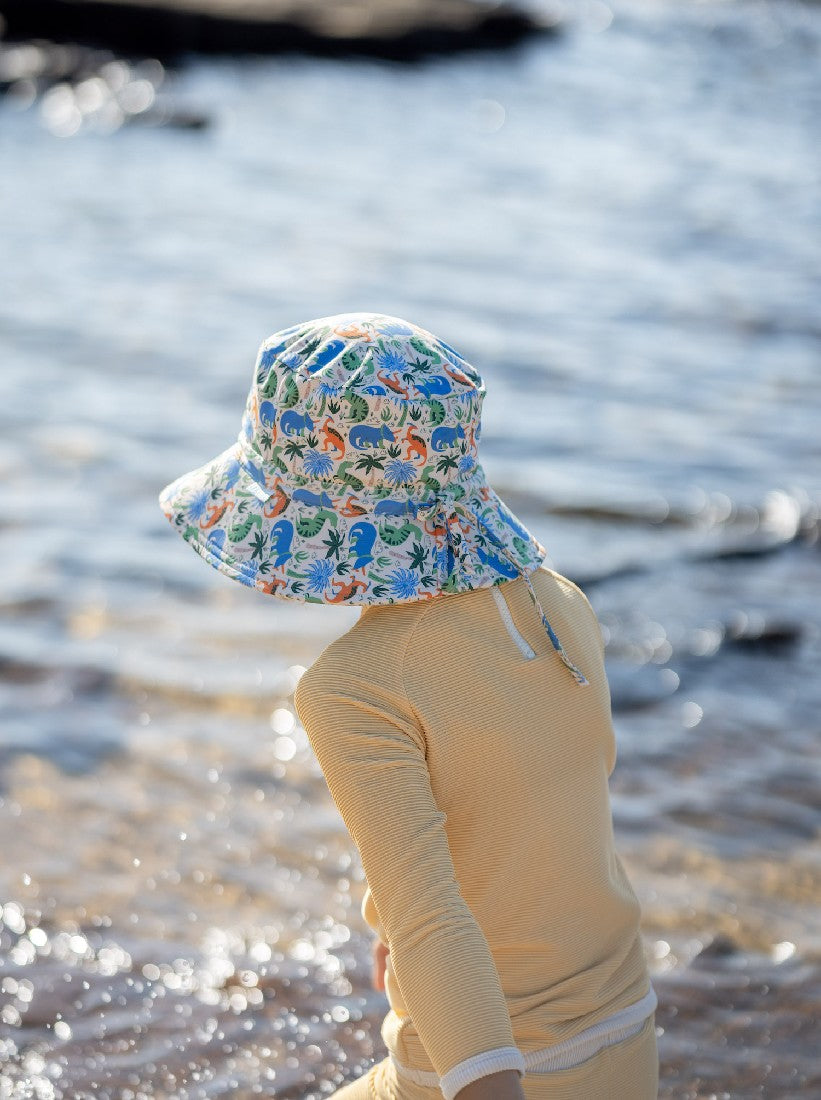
448, 521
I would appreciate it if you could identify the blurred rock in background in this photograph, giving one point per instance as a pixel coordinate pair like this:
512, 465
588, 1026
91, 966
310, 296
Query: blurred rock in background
398, 30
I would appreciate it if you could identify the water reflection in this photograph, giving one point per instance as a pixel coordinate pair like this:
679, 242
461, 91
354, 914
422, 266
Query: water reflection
179, 899
79, 89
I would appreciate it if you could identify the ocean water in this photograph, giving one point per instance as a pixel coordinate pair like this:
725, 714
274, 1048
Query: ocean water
621, 229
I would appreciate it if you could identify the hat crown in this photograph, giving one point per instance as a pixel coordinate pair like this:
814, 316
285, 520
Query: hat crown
362, 400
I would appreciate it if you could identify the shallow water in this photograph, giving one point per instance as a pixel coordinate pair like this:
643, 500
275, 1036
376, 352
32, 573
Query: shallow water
624, 226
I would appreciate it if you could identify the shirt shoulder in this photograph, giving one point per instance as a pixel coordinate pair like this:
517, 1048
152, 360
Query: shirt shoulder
574, 597
365, 665
375, 645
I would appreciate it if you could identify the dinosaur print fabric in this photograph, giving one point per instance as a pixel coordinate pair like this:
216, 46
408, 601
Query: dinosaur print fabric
355, 478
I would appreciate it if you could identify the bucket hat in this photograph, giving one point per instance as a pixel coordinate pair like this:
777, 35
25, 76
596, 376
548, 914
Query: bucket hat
355, 477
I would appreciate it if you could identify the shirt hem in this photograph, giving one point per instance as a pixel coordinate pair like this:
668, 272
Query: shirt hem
464, 1073
564, 1055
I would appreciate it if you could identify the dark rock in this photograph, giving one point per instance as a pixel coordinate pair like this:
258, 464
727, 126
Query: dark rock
753, 633
720, 947
397, 30
17, 671
636, 688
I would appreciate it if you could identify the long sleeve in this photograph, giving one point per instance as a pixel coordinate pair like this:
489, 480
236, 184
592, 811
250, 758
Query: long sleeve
372, 752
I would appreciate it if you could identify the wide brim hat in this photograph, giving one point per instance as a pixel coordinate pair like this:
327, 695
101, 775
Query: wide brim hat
355, 477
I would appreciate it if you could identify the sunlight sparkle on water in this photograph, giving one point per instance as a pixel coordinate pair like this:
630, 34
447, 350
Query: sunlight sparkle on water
783, 951
691, 715
282, 720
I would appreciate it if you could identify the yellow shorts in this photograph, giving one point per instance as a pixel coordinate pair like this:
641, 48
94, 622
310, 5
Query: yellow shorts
624, 1071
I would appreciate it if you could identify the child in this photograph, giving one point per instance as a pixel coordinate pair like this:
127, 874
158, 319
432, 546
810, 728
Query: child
466, 740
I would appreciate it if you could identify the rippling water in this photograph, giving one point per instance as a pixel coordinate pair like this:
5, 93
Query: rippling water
620, 227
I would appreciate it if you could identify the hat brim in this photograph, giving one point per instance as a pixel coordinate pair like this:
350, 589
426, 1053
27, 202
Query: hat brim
356, 548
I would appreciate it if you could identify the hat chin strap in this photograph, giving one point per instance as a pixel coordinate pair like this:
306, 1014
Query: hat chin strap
461, 557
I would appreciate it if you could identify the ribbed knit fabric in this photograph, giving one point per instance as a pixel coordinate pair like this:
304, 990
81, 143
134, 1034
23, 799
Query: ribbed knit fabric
473, 781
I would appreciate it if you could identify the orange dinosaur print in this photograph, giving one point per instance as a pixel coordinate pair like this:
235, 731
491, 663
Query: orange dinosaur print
270, 587
215, 513
281, 501
440, 529
392, 384
332, 438
351, 507
457, 375
345, 591
416, 445
353, 332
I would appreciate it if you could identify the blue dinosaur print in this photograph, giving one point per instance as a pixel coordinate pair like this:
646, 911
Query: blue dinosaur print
395, 508
374, 388
362, 537
268, 414
445, 436
395, 328
255, 472
293, 423
456, 359
507, 517
362, 436
501, 565
282, 535
232, 471
324, 356
318, 500
216, 541
437, 384
268, 357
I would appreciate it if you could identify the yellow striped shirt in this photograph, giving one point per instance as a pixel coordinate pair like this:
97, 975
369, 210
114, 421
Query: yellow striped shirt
473, 780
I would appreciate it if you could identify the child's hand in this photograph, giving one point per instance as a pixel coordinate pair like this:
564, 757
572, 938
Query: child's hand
380, 953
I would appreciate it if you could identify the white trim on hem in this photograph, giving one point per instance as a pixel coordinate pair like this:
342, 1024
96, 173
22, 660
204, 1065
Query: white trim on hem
570, 1052
578, 1048
480, 1065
